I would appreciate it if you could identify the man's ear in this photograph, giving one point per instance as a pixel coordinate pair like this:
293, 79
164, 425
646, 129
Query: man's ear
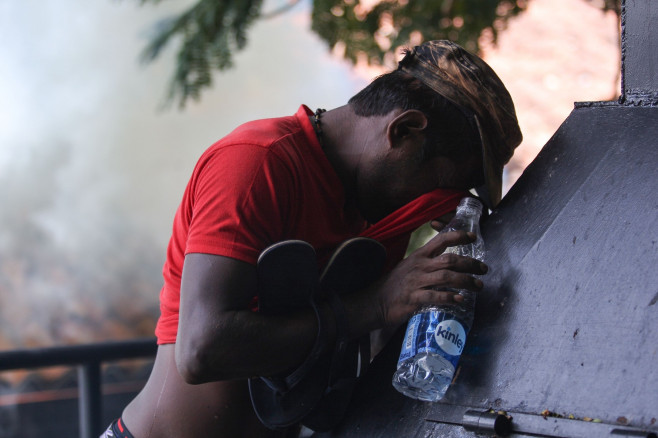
407, 125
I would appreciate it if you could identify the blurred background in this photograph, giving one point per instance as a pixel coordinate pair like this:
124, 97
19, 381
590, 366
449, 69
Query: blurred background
94, 157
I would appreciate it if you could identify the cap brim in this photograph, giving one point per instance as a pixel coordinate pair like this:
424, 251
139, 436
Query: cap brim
491, 190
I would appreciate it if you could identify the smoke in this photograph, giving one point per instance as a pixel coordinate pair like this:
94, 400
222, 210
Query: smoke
91, 172
66, 260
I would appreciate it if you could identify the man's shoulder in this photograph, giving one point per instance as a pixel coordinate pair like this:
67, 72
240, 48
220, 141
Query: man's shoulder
289, 139
264, 132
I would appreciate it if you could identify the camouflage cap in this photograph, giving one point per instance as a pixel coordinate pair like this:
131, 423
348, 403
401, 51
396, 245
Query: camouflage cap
469, 83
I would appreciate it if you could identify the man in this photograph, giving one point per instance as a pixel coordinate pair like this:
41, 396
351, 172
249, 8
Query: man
441, 121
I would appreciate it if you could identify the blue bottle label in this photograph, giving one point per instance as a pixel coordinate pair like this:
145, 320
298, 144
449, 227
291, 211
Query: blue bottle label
434, 332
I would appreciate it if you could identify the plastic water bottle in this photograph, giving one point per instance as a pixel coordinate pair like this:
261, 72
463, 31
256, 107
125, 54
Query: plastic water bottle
436, 335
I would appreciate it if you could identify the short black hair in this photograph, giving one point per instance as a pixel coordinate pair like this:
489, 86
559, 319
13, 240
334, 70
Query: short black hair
451, 133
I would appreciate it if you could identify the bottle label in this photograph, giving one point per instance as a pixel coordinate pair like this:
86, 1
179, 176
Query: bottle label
435, 332
450, 336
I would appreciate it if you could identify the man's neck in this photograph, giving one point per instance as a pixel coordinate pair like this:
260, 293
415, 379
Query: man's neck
339, 142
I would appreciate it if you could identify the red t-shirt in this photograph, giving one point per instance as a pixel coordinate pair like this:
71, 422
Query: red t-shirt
267, 181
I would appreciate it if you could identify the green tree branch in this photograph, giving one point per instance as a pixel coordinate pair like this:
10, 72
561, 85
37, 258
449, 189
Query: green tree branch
211, 31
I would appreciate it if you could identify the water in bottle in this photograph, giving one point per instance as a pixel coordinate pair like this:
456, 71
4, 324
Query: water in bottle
435, 336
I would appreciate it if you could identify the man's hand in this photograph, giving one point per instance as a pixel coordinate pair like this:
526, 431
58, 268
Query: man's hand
426, 277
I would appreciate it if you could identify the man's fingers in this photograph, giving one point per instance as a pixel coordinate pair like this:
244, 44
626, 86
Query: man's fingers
437, 225
458, 263
429, 297
445, 279
441, 241
429, 276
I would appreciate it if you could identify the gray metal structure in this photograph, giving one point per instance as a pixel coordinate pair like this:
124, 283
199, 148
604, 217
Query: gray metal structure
565, 340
